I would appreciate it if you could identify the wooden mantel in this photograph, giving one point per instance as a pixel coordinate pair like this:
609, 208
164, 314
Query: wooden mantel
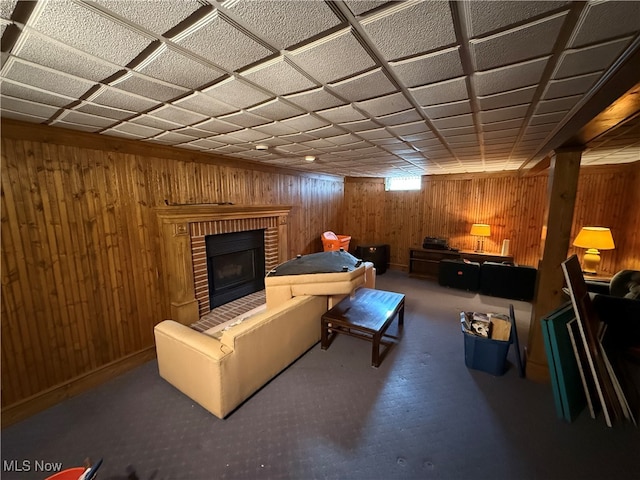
176, 232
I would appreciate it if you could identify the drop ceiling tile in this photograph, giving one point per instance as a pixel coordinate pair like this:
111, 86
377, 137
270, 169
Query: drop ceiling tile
275, 128
226, 139
102, 111
364, 86
325, 132
6, 8
570, 86
113, 97
80, 118
244, 118
194, 132
172, 138
155, 122
137, 130
248, 135
399, 31
230, 149
502, 125
347, 57
217, 126
236, 93
518, 44
169, 65
304, 122
441, 92
604, 20
278, 76
511, 133
448, 109
359, 125
207, 143
231, 50
484, 17
318, 143
75, 126
315, 99
116, 133
276, 109
358, 7
191, 146
375, 134
417, 137
297, 137
400, 117
204, 104
27, 107
49, 53
303, 20
465, 120
558, 104
157, 16
430, 68
502, 114
426, 144
177, 115
95, 34
511, 77
27, 92
514, 97
147, 87
345, 139
589, 59
344, 113
44, 78
384, 105
545, 128
409, 128
469, 138
553, 118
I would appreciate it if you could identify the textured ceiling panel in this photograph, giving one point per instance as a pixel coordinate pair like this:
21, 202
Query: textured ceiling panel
157, 16
369, 87
49, 53
232, 48
278, 76
174, 67
204, 104
95, 34
349, 57
485, 17
366, 85
237, 93
430, 68
44, 78
411, 28
304, 19
517, 45
600, 22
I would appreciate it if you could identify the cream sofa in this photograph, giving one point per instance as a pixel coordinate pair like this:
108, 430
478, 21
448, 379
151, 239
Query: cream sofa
220, 369
220, 373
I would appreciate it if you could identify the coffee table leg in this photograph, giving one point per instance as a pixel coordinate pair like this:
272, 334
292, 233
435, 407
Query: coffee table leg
375, 353
401, 315
324, 334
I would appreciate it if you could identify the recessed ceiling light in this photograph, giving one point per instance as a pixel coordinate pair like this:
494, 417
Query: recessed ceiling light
262, 147
309, 158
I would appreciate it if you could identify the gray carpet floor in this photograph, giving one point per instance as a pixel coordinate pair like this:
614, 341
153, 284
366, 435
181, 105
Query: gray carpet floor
423, 414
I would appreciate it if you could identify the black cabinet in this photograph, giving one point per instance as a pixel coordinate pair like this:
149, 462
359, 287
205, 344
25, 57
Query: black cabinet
424, 262
377, 254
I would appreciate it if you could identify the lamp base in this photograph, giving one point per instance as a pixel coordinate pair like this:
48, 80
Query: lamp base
480, 245
590, 261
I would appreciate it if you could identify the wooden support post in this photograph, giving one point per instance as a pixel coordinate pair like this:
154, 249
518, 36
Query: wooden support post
562, 188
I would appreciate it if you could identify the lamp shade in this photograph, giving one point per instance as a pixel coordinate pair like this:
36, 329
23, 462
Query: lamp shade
480, 230
595, 237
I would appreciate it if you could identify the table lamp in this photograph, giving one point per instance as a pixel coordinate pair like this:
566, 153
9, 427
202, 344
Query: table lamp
480, 230
593, 239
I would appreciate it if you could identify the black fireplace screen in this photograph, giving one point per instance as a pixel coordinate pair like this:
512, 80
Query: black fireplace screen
235, 265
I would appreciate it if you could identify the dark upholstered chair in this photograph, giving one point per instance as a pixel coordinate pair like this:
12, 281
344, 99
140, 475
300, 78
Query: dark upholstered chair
507, 280
460, 274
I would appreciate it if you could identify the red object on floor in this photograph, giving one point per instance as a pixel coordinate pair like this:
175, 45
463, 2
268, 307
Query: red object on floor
332, 242
68, 474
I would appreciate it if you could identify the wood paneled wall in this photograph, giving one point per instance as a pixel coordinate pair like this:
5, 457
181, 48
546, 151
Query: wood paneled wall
447, 205
80, 243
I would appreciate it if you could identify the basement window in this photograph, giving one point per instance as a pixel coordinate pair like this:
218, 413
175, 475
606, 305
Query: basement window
402, 183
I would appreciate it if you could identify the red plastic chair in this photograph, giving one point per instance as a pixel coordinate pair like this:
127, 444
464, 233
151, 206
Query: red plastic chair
332, 242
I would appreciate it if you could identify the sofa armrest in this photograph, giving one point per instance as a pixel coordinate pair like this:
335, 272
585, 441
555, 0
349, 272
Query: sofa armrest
192, 361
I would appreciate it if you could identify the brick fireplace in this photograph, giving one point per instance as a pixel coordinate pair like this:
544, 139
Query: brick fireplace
183, 230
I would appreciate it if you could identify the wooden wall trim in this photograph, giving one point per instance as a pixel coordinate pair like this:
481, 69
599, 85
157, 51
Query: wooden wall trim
75, 386
34, 132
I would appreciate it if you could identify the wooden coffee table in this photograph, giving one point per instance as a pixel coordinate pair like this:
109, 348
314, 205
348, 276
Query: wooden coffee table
367, 316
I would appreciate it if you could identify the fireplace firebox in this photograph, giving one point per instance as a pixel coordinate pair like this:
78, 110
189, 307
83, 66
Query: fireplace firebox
235, 265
